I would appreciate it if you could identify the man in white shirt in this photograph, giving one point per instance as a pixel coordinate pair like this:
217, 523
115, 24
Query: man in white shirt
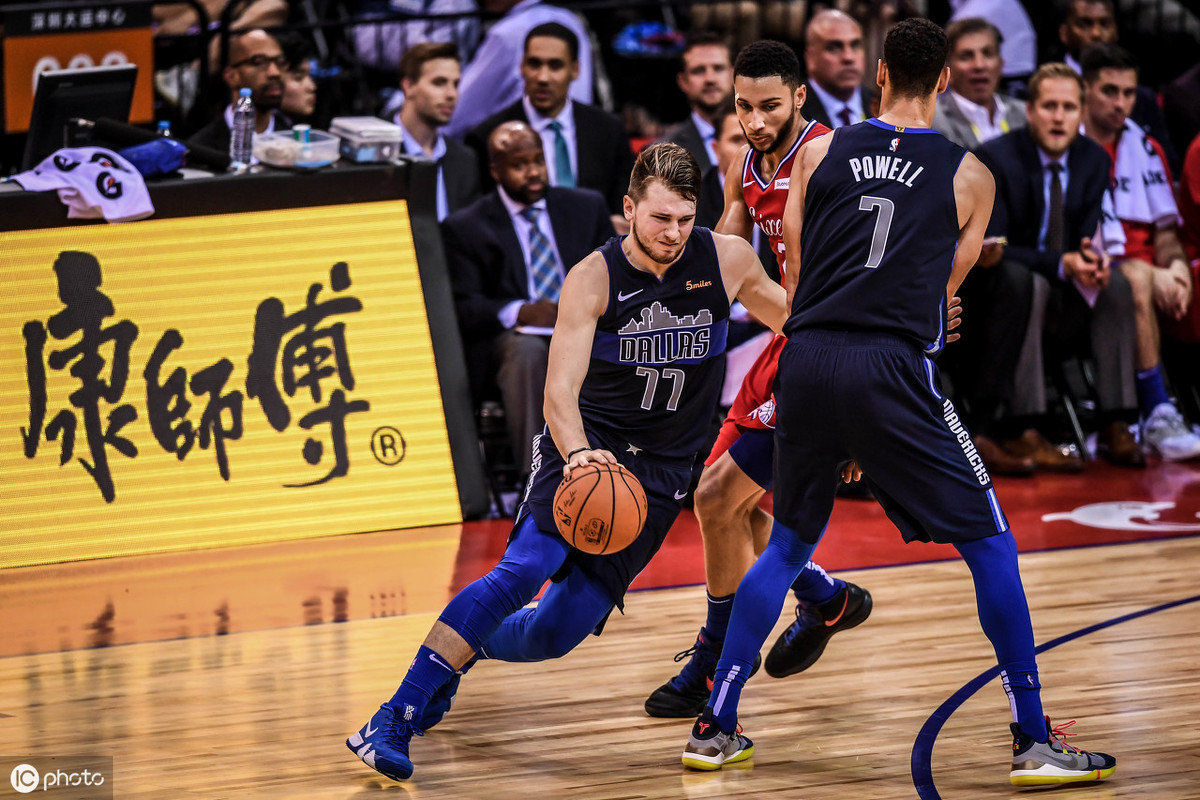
972, 111
1018, 39
429, 75
834, 59
585, 146
492, 78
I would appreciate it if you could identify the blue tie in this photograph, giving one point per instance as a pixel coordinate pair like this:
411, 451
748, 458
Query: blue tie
563, 173
547, 282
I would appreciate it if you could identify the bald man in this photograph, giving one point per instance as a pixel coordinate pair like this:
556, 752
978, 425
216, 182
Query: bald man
508, 253
834, 60
256, 62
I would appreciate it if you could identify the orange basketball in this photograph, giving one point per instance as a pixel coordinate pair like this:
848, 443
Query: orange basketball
600, 508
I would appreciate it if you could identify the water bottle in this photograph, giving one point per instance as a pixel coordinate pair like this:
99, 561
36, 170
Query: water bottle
241, 139
164, 128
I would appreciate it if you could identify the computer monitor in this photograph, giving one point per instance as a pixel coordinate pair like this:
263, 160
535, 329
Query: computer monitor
66, 94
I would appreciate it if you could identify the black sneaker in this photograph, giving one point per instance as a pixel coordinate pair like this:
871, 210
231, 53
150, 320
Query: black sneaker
686, 694
799, 647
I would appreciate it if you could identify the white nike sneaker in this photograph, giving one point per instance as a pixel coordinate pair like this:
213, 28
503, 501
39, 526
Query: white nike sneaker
1167, 435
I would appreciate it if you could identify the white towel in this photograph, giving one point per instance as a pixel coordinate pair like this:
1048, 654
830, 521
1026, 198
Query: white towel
1142, 192
93, 183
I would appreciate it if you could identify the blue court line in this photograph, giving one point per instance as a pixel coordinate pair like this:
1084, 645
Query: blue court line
922, 753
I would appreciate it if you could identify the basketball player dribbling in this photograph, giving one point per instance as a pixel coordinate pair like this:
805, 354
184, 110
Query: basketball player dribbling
768, 97
635, 372
885, 219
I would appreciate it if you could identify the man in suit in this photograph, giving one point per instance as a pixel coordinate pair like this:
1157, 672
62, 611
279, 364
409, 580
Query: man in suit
585, 146
429, 74
257, 62
507, 253
492, 80
706, 80
1089, 22
1050, 184
973, 112
834, 59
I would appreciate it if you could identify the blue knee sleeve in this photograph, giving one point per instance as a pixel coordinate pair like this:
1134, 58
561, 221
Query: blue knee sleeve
756, 608
529, 561
1004, 617
564, 617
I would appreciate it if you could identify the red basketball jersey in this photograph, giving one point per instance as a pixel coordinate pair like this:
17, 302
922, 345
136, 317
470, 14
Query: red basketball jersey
754, 406
766, 195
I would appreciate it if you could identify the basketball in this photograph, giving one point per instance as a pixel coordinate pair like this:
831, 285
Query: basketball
600, 508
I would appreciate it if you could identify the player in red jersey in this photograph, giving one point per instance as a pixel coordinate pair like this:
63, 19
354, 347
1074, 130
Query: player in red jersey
768, 97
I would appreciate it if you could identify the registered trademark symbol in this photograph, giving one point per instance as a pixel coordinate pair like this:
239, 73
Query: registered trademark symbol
388, 446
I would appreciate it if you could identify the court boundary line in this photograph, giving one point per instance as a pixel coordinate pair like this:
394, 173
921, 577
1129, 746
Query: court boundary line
921, 765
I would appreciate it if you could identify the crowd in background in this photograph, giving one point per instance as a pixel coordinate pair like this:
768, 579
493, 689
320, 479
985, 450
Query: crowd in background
533, 112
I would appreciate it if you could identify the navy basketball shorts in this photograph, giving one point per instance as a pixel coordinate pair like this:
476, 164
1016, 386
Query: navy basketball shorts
665, 483
872, 397
754, 453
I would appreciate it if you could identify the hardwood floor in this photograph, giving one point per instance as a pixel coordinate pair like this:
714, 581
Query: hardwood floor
263, 713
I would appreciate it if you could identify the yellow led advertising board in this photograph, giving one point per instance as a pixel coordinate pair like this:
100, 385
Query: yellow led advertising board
218, 380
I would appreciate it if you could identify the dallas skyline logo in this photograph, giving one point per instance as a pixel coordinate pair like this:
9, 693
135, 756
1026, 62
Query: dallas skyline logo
656, 317
660, 337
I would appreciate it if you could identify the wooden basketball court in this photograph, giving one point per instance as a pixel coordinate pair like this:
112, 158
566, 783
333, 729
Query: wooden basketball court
238, 673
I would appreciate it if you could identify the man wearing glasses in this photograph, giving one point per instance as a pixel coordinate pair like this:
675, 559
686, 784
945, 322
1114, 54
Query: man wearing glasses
257, 62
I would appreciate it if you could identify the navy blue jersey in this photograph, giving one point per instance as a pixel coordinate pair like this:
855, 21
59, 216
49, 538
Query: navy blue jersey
879, 235
658, 356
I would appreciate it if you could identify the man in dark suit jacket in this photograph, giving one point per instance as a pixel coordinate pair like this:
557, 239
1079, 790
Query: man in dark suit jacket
585, 146
706, 80
834, 60
257, 62
506, 310
1075, 293
429, 74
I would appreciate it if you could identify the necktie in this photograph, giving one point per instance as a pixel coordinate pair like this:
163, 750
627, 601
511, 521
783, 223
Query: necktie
547, 283
563, 173
844, 115
1054, 214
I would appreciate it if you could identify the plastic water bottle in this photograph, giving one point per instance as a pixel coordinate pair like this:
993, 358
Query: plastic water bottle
241, 140
164, 128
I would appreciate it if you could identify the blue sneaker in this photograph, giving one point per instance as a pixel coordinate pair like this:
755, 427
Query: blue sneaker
382, 743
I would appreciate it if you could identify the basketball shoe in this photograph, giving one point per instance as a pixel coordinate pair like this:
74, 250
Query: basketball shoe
382, 743
709, 747
799, 647
1053, 761
687, 693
